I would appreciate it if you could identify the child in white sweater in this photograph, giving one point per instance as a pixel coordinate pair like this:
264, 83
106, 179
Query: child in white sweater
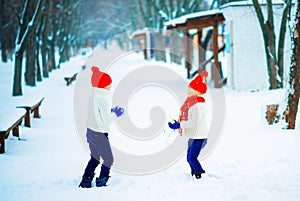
98, 125
192, 122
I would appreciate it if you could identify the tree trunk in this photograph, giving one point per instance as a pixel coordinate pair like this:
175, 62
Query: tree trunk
30, 69
294, 80
271, 62
3, 47
201, 51
63, 53
188, 53
270, 41
51, 58
281, 41
3, 31
38, 66
44, 53
274, 60
44, 45
37, 43
63, 41
52, 38
17, 85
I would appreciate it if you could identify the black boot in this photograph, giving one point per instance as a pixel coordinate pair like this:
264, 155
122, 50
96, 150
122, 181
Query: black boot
198, 174
103, 177
101, 181
86, 181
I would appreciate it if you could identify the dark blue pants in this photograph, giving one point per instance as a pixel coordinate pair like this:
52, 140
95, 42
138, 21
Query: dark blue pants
100, 148
194, 149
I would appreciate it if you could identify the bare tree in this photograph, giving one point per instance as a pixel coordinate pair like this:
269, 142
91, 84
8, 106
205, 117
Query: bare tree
102, 20
31, 50
38, 48
274, 58
155, 12
27, 24
294, 80
53, 28
67, 28
43, 37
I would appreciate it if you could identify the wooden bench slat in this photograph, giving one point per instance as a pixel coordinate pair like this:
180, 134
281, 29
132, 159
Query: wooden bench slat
11, 118
8, 118
31, 106
10, 121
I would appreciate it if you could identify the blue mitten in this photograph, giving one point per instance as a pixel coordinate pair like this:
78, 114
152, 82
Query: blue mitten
174, 125
119, 111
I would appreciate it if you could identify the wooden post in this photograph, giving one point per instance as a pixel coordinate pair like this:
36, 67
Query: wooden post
216, 69
27, 117
36, 113
187, 53
201, 51
2, 142
148, 44
15, 131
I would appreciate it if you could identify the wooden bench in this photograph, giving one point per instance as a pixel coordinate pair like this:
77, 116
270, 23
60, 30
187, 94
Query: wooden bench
31, 106
69, 80
10, 121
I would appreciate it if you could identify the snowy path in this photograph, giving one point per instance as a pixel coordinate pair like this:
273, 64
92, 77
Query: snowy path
251, 162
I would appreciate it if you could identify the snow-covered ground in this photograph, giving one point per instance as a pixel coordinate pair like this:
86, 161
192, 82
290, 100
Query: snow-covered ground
252, 160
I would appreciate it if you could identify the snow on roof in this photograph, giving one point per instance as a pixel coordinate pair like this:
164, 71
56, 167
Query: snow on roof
184, 18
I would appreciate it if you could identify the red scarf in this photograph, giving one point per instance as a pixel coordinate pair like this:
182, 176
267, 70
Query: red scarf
188, 103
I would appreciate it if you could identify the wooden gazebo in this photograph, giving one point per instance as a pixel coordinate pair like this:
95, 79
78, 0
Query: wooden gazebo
200, 20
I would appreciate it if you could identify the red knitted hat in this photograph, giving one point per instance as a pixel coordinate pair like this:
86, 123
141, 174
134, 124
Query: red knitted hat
199, 83
100, 79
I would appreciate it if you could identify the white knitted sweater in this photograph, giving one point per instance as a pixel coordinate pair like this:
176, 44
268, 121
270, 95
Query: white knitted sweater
99, 113
196, 125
